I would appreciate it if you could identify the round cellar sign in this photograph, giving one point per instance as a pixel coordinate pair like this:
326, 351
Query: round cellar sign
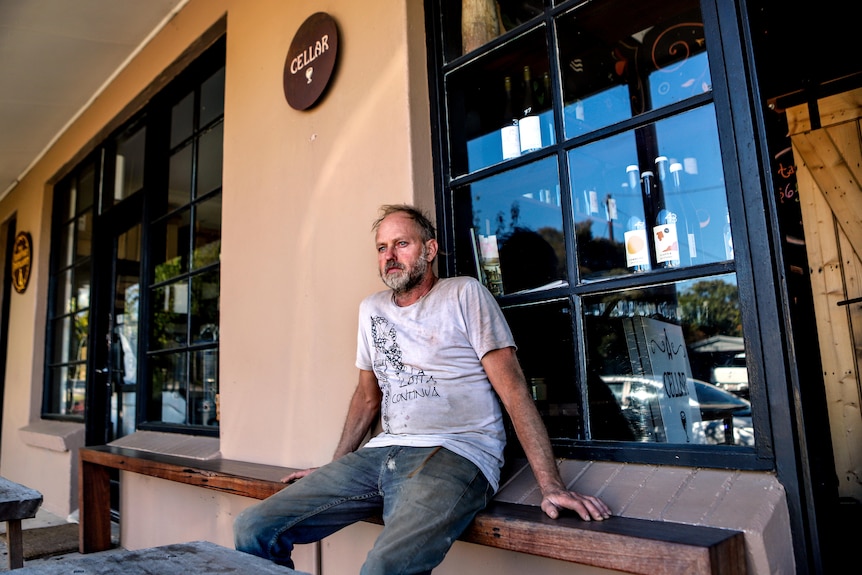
22, 253
310, 61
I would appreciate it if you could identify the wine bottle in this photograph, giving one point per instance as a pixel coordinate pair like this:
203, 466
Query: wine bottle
692, 236
665, 235
509, 132
634, 177
637, 246
529, 125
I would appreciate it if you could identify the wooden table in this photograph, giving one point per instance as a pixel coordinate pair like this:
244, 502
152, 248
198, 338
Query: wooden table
16, 503
176, 559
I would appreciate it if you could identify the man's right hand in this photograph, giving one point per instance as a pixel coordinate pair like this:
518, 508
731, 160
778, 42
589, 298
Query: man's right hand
297, 475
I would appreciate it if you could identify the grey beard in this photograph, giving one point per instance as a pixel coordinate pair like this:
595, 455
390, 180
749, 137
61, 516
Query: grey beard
407, 279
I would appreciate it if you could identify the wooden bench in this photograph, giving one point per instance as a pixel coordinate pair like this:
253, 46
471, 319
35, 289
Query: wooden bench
16, 503
624, 544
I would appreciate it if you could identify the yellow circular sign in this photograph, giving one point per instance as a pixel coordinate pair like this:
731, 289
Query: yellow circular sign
21, 258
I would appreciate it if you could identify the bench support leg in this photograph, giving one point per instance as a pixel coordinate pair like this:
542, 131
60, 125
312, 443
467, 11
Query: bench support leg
94, 502
15, 543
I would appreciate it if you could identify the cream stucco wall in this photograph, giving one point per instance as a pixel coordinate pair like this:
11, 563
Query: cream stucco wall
300, 192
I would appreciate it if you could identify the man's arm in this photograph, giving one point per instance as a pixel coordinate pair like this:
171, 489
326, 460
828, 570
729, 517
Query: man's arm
507, 378
361, 415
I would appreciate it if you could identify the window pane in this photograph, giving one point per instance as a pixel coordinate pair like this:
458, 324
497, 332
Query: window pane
511, 225
86, 188
618, 60
207, 242
205, 307
169, 387
210, 160
547, 357
180, 179
64, 344
64, 197
63, 300
170, 317
84, 233
129, 166
495, 112
65, 244
174, 233
204, 387
469, 25
650, 198
67, 390
82, 286
182, 119
650, 353
212, 98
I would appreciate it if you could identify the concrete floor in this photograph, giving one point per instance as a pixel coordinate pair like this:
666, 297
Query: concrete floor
42, 519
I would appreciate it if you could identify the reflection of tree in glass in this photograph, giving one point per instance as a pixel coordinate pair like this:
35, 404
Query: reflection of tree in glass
597, 255
527, 260
710, 307
163, 318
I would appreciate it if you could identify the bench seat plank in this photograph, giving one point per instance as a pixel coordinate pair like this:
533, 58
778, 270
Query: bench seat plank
626, 544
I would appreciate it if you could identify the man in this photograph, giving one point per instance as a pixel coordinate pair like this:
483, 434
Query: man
434, 355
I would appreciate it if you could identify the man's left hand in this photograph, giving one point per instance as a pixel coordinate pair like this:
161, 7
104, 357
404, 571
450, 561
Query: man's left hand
588, 507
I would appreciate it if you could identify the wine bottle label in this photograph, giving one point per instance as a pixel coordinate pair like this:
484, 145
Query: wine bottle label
666, 243
530, 130
511, 141
637, 253
490, 257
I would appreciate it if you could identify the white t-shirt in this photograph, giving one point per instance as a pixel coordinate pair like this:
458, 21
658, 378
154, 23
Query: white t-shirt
426, 357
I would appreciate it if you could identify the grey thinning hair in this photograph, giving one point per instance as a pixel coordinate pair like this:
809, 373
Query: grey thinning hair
427, 229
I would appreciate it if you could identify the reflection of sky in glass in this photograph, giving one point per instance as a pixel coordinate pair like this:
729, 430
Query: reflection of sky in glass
603, 199
681, 80
527, 197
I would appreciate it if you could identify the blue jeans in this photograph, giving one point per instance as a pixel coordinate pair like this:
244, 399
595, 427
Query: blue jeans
427, 496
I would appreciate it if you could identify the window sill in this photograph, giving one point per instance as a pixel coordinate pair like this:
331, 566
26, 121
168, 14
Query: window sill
53, 435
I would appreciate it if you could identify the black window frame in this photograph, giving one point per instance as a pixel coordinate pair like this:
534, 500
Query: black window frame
150, 200
744, 180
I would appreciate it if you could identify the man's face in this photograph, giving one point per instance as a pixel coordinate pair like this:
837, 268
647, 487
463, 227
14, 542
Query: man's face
403, 258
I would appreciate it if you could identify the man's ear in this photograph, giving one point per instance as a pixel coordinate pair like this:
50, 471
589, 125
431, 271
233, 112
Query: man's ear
432, 250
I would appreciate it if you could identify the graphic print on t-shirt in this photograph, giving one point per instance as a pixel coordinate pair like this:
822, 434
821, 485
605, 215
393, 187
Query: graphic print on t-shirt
400, 384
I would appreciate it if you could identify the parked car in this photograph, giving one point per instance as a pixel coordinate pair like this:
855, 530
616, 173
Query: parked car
725, 417
732, 376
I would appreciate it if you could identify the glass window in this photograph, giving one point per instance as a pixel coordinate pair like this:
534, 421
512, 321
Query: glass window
163, 325
511, 227
650, 371
183, 345
68, 334
650, 198
617, 62
470, 24
129, 163
606, 237
503, 109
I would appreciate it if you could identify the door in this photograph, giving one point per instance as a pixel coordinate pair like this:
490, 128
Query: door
117, 312
829, 173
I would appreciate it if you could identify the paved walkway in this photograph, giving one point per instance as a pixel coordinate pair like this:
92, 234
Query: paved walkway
42, 519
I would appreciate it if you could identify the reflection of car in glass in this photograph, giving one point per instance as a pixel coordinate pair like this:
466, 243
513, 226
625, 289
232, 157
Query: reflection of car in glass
732, 376
726, 418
